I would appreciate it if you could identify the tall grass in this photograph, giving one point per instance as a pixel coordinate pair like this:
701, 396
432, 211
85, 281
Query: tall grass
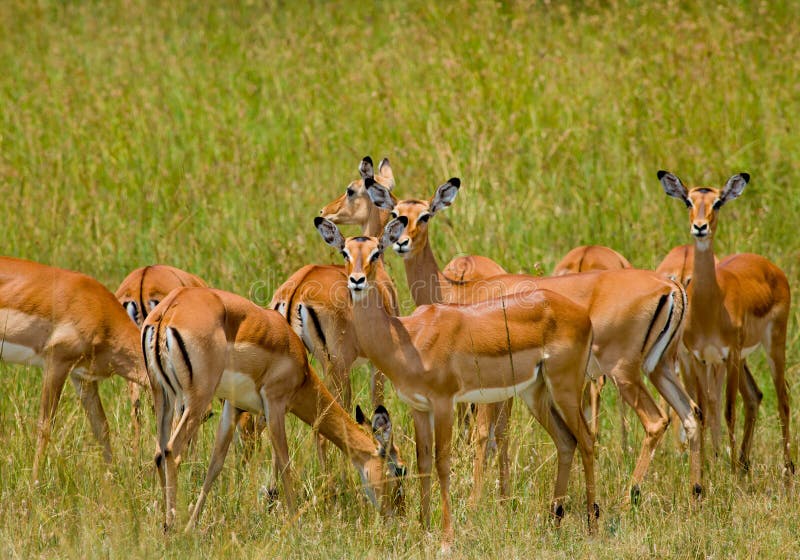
208, 135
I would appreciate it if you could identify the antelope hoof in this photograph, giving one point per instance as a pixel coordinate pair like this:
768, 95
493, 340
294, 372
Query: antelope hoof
557, 511
636, 495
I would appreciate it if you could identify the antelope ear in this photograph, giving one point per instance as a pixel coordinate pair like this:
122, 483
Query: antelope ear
733, 188
365, 168
673, 186
445, 195
380, 195
329, 232
392, 232
382, 425
385, 171
360, 417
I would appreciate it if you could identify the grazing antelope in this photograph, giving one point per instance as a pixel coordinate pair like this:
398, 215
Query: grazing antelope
72, 326
199, 343
536, 345
734, 307
139, 293
637, 316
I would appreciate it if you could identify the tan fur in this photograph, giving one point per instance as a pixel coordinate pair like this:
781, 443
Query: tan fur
623, 308
139, 293
590, 257
74, 327
737, 304
538, 343
200, 342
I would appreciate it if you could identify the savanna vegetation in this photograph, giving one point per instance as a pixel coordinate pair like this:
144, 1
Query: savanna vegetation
208, 135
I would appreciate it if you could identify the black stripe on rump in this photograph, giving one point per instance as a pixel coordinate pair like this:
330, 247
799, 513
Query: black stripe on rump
184, 353
660, 305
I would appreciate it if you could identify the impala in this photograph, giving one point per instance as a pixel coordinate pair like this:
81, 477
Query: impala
590, 257
355, 207
72, 326
536, 345
139, 293
586, 258
199, 343
734, 307
678, 265
636, 317
315, 299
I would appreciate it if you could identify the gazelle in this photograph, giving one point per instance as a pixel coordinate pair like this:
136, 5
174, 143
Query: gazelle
586, 258
199, 343
139, 293
72, 326
637, 316
734, 307
536, 345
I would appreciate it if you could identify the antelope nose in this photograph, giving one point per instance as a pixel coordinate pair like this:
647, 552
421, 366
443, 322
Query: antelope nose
402, 244
358, 282
700, 230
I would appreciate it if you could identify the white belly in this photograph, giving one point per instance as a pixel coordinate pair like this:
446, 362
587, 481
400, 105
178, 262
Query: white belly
712, 355
495, 394
241, 391
17, 354
416, 401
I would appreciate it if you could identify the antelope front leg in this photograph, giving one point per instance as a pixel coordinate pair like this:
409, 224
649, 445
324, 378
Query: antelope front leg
90, 399
731, 390
443, 428
751, 395
423, 434
55, 375
222, 442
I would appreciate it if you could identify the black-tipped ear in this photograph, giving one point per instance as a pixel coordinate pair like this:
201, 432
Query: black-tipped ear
329, 232
360, 417
365, 168
392, 232
380, 195
445, 195
673, 186
733, 188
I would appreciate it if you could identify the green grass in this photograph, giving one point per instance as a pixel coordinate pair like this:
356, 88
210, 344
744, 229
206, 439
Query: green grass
208, 135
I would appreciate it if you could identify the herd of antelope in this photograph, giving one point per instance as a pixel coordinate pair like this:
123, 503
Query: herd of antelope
479, 335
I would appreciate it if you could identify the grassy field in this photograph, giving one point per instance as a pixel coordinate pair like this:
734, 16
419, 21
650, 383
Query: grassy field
208, 135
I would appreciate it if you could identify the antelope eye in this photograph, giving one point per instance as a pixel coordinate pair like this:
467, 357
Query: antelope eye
424, 219
346, 256
374, 256
394, 214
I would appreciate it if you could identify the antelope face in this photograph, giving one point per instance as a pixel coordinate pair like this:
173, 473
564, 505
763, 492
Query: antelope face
703, 202
354, 206
417, 213
389, 472
361, 254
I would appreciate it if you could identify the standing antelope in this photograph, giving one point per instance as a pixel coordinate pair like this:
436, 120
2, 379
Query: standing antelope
586, 258
637, 316
316, 303
139, 293
536, 345
355, 207
734, 307
72, 326
199, 343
